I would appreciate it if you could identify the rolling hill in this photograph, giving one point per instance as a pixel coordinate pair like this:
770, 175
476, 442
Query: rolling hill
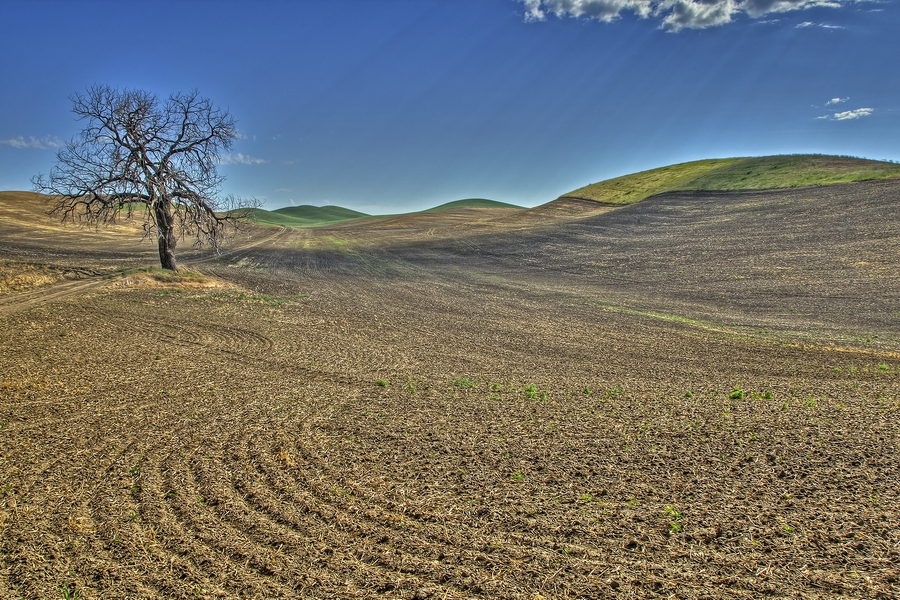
305, 216
314, 216
471, 203
729, 174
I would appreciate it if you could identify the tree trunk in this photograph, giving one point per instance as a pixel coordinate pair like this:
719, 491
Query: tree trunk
165, 235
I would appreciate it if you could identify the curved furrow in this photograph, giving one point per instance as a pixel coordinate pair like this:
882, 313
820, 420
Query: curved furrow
173, 331
214, 337
388, 543
75, 523
250, 554
453, 539
213, 550
51, 423
332, 531
239, 340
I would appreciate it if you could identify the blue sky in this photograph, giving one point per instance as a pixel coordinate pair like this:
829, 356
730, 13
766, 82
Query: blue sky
396, 105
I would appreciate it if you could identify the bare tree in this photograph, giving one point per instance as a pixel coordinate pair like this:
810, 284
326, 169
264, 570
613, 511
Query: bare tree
140, 156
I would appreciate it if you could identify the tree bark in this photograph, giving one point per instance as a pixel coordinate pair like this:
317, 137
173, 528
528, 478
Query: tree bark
165, 234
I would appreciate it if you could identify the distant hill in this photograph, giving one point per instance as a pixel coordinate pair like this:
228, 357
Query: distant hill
472, 203
313, 216
755, 173
305, 216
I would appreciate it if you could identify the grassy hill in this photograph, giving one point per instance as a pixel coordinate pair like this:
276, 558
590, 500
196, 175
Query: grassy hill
471, 203
767, 172
305, 216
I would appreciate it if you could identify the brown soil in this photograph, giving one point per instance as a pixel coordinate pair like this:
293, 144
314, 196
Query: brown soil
483, 406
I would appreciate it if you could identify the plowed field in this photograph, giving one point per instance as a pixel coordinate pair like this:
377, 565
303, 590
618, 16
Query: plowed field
694, 397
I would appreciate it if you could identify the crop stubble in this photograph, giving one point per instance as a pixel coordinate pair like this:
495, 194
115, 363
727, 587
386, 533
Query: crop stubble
232, 441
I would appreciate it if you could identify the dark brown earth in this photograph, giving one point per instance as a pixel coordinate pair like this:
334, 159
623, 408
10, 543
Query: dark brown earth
484, 404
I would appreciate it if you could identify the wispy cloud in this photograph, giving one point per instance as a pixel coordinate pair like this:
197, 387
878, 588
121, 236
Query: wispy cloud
240, 159
853, 114
806, 24
674, 15
848, 114
834, 101
45, 143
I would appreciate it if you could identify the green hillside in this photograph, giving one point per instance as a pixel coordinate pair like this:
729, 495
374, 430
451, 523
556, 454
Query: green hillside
320, 214
756, 173
471, 203
305, 216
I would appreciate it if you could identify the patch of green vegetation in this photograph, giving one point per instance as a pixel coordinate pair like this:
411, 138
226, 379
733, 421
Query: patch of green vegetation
661, 316
465, 382
737, 393
381, 383
752, 173
672, 512
69, 593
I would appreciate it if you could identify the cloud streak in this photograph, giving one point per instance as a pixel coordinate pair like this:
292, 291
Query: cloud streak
32, 143
806, 24
834, 101
853, 114
240, 159
674, 15
847, 115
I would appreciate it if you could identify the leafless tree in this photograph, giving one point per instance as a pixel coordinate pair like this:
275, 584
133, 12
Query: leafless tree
140, 156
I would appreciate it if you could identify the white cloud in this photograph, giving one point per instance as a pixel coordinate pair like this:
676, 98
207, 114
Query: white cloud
688, 14
45, 143
240, 159
836, 101
853, 114
674, 15
848, 114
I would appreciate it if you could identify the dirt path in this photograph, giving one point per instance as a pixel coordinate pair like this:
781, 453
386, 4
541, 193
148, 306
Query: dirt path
15, 303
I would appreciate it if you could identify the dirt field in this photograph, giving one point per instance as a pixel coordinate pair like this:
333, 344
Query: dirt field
692, 397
